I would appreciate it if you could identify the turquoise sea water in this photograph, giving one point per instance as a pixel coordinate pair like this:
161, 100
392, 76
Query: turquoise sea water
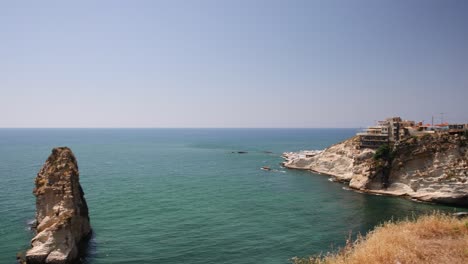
182, 196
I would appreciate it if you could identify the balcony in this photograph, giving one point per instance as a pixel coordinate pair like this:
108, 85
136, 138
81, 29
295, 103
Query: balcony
370, 144
372, 134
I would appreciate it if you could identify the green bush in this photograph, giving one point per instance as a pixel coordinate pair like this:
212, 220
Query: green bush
384, 152
463, 142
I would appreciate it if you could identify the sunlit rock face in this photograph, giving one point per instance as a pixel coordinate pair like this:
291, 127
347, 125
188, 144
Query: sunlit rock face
61, 211
428, 168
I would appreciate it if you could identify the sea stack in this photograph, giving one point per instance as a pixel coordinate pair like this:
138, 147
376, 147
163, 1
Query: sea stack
61, 211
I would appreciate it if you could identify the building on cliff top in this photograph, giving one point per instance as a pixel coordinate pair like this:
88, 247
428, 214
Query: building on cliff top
421, 129
457, 128
373, 137
391, 129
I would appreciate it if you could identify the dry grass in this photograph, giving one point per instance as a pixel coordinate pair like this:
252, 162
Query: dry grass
435, 238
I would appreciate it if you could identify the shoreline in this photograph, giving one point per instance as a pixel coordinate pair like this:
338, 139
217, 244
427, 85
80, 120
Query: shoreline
335, 179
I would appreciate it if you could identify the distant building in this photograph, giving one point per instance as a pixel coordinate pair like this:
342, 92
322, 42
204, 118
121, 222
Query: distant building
421, 129
394, 129
390, 130
457, 128
373, 137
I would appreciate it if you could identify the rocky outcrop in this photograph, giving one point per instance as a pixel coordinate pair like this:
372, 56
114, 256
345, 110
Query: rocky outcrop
343, 161
61, 211
428, 168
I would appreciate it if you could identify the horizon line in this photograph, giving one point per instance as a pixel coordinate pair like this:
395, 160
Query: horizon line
179, 127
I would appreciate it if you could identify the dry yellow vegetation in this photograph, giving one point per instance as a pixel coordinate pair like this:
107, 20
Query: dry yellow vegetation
434, 238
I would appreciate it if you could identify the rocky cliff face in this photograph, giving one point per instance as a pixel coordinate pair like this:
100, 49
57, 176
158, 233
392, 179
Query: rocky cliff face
61, 211
428, 168
344, 161
431, 168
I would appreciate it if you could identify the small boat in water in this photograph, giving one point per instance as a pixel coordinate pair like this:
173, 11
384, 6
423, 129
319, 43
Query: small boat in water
266, 168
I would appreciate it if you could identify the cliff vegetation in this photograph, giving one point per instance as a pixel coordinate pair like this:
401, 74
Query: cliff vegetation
435, 238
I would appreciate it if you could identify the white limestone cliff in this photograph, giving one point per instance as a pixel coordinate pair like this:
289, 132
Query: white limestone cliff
428, 168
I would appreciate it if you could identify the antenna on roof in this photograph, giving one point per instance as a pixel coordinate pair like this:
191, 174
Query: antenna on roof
442, 118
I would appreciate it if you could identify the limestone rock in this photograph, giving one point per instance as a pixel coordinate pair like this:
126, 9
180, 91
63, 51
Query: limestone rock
61, 211
342, 160
429, 168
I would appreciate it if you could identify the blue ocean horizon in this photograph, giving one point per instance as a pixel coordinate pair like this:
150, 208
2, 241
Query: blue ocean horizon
185, 195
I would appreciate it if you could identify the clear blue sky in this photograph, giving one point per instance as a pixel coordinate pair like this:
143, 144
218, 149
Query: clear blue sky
231, 63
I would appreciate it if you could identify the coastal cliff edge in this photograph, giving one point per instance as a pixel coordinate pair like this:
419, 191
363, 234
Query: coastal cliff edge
430, 168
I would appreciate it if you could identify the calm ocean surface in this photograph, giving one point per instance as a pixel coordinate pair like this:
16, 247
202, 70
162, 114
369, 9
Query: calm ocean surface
182, 196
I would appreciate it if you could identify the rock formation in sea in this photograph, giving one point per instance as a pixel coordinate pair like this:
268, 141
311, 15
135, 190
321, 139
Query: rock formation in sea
427, 168
61, 211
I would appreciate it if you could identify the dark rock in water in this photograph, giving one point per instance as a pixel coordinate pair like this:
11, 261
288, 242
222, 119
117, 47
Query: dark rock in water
20, 259
32, 224
61, 211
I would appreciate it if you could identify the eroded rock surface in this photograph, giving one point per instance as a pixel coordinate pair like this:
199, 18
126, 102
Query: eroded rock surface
344, 161
428, 168
61, 211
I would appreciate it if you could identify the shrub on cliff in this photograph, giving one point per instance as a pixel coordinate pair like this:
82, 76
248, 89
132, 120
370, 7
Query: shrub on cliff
464, 139
384, 153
